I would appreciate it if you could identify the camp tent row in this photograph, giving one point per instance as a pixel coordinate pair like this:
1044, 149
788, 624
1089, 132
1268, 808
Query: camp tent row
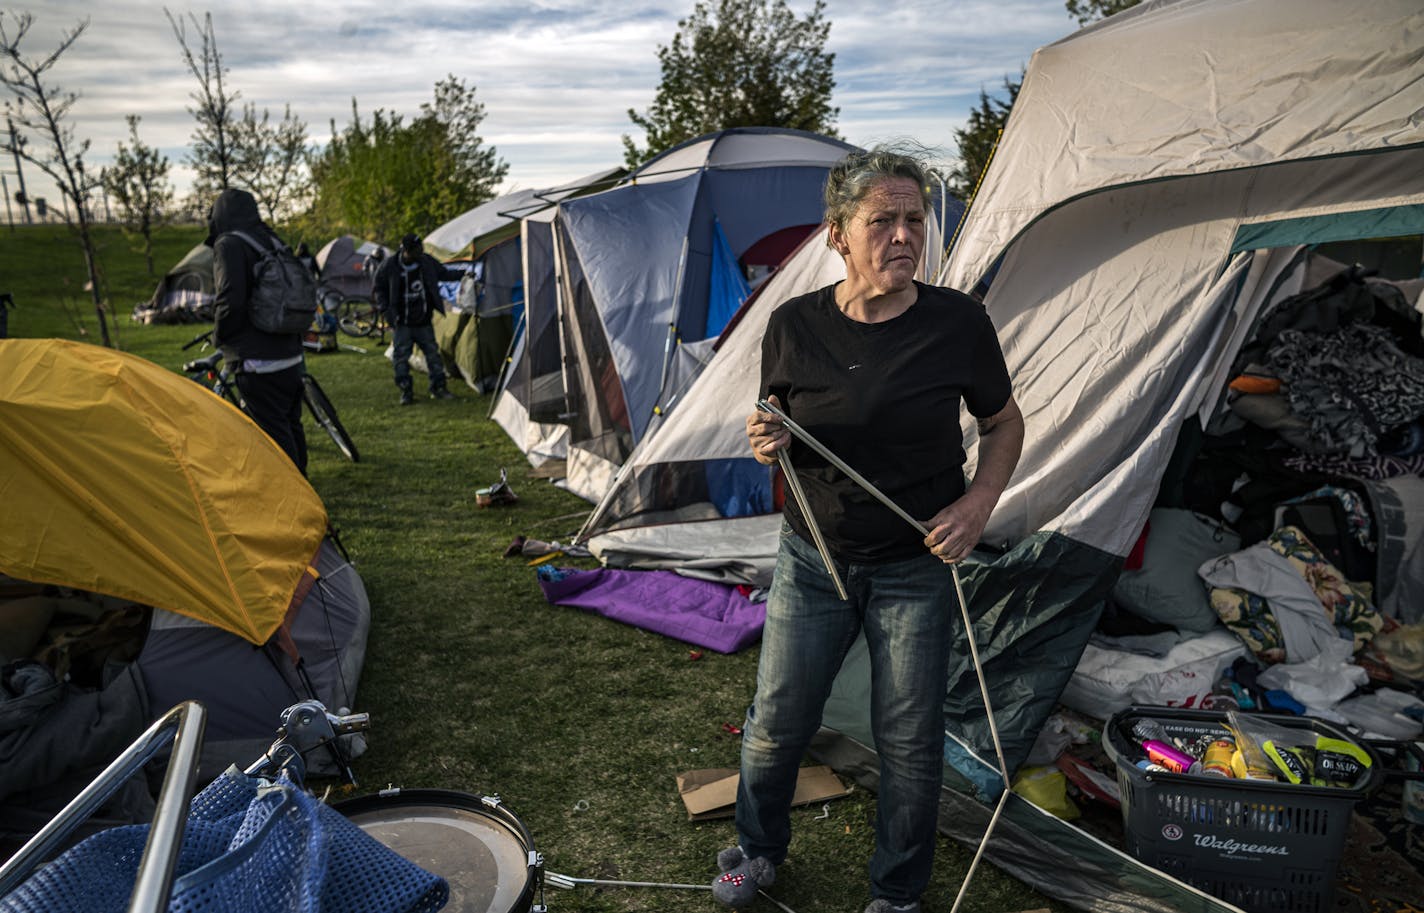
108, 491
185, 293
1155, 186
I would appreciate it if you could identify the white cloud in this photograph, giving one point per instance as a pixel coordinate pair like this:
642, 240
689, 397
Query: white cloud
557, 78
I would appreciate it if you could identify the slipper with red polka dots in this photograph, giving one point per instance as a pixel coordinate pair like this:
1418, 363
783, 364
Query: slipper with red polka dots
741, 877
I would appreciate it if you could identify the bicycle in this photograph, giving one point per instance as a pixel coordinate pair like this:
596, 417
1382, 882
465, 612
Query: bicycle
356, 315
213, 374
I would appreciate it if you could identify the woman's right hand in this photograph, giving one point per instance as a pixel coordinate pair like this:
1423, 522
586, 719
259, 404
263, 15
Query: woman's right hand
767, 434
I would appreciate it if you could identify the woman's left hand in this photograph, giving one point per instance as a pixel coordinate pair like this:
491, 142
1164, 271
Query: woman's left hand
955, 530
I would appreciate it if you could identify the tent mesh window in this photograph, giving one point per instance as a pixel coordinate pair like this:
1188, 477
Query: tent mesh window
692, 490
597, 412
536, 380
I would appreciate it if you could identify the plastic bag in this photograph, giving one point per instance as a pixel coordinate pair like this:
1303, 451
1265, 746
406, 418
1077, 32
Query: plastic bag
1381, 714
1300, 756
1265, 748
1047, 788
1320, 682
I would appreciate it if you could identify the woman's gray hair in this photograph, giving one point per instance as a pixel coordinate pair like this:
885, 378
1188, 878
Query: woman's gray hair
852, 177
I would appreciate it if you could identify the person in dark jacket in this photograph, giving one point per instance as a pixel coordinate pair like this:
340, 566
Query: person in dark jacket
308, 259
407, 289
268, 366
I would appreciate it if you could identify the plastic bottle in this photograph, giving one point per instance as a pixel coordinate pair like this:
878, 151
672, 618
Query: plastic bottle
1178, 762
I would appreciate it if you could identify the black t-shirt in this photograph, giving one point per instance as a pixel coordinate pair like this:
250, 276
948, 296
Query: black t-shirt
885, 398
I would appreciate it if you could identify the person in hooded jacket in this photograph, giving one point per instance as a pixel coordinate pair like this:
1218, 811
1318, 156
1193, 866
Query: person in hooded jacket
407, 289
268, 366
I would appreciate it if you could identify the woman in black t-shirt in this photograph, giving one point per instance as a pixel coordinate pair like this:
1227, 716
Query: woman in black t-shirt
875, 367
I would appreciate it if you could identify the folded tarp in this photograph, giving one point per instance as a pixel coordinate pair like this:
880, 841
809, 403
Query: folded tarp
711, 615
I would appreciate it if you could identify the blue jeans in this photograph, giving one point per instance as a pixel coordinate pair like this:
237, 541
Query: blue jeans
404, 339
905, 609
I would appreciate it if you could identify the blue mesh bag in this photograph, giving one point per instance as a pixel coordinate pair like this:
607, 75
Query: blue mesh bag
249, 846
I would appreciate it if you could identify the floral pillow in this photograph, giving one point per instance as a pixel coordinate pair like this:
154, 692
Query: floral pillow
1347, 604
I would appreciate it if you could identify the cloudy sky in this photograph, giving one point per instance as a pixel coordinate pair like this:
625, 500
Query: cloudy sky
556, 76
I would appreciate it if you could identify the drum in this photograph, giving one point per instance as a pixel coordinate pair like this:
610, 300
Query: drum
473, 842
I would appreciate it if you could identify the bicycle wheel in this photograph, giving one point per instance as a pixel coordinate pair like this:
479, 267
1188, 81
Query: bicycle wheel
325, 414
357, 317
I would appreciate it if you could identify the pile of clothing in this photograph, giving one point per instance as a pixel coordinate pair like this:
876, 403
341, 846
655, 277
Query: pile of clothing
1287, 540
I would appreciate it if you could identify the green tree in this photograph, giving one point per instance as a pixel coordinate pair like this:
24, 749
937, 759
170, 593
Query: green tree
453, 120
978, 138
138, 182
740, 63
40, 109
384, 177
1086, 11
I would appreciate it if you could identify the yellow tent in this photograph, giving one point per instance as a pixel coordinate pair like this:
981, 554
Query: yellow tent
120, 477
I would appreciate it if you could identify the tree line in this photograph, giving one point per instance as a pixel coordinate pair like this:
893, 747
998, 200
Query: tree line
731, 63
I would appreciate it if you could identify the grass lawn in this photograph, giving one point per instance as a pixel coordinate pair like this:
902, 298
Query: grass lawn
473, 681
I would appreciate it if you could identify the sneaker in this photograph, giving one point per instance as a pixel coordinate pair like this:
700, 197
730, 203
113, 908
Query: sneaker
441, 393
407, 398
881, 905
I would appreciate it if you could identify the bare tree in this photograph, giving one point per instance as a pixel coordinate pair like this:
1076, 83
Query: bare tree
138, 182
41, 109
215, 156
272, 159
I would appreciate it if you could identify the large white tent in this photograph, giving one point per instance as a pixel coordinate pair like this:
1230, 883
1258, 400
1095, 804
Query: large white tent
1151, 191
1145, 158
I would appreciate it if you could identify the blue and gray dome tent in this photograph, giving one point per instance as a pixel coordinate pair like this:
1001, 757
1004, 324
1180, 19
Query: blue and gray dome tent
659, 261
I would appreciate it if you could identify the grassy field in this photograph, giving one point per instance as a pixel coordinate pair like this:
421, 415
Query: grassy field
473, 681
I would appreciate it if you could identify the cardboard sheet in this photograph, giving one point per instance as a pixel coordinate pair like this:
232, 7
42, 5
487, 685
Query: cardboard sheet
712, 793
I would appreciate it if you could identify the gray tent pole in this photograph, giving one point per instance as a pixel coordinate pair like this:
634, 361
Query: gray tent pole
508, 358
672, 327
793, 482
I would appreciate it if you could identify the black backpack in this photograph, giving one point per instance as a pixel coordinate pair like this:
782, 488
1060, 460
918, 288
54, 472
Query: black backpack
283, 291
